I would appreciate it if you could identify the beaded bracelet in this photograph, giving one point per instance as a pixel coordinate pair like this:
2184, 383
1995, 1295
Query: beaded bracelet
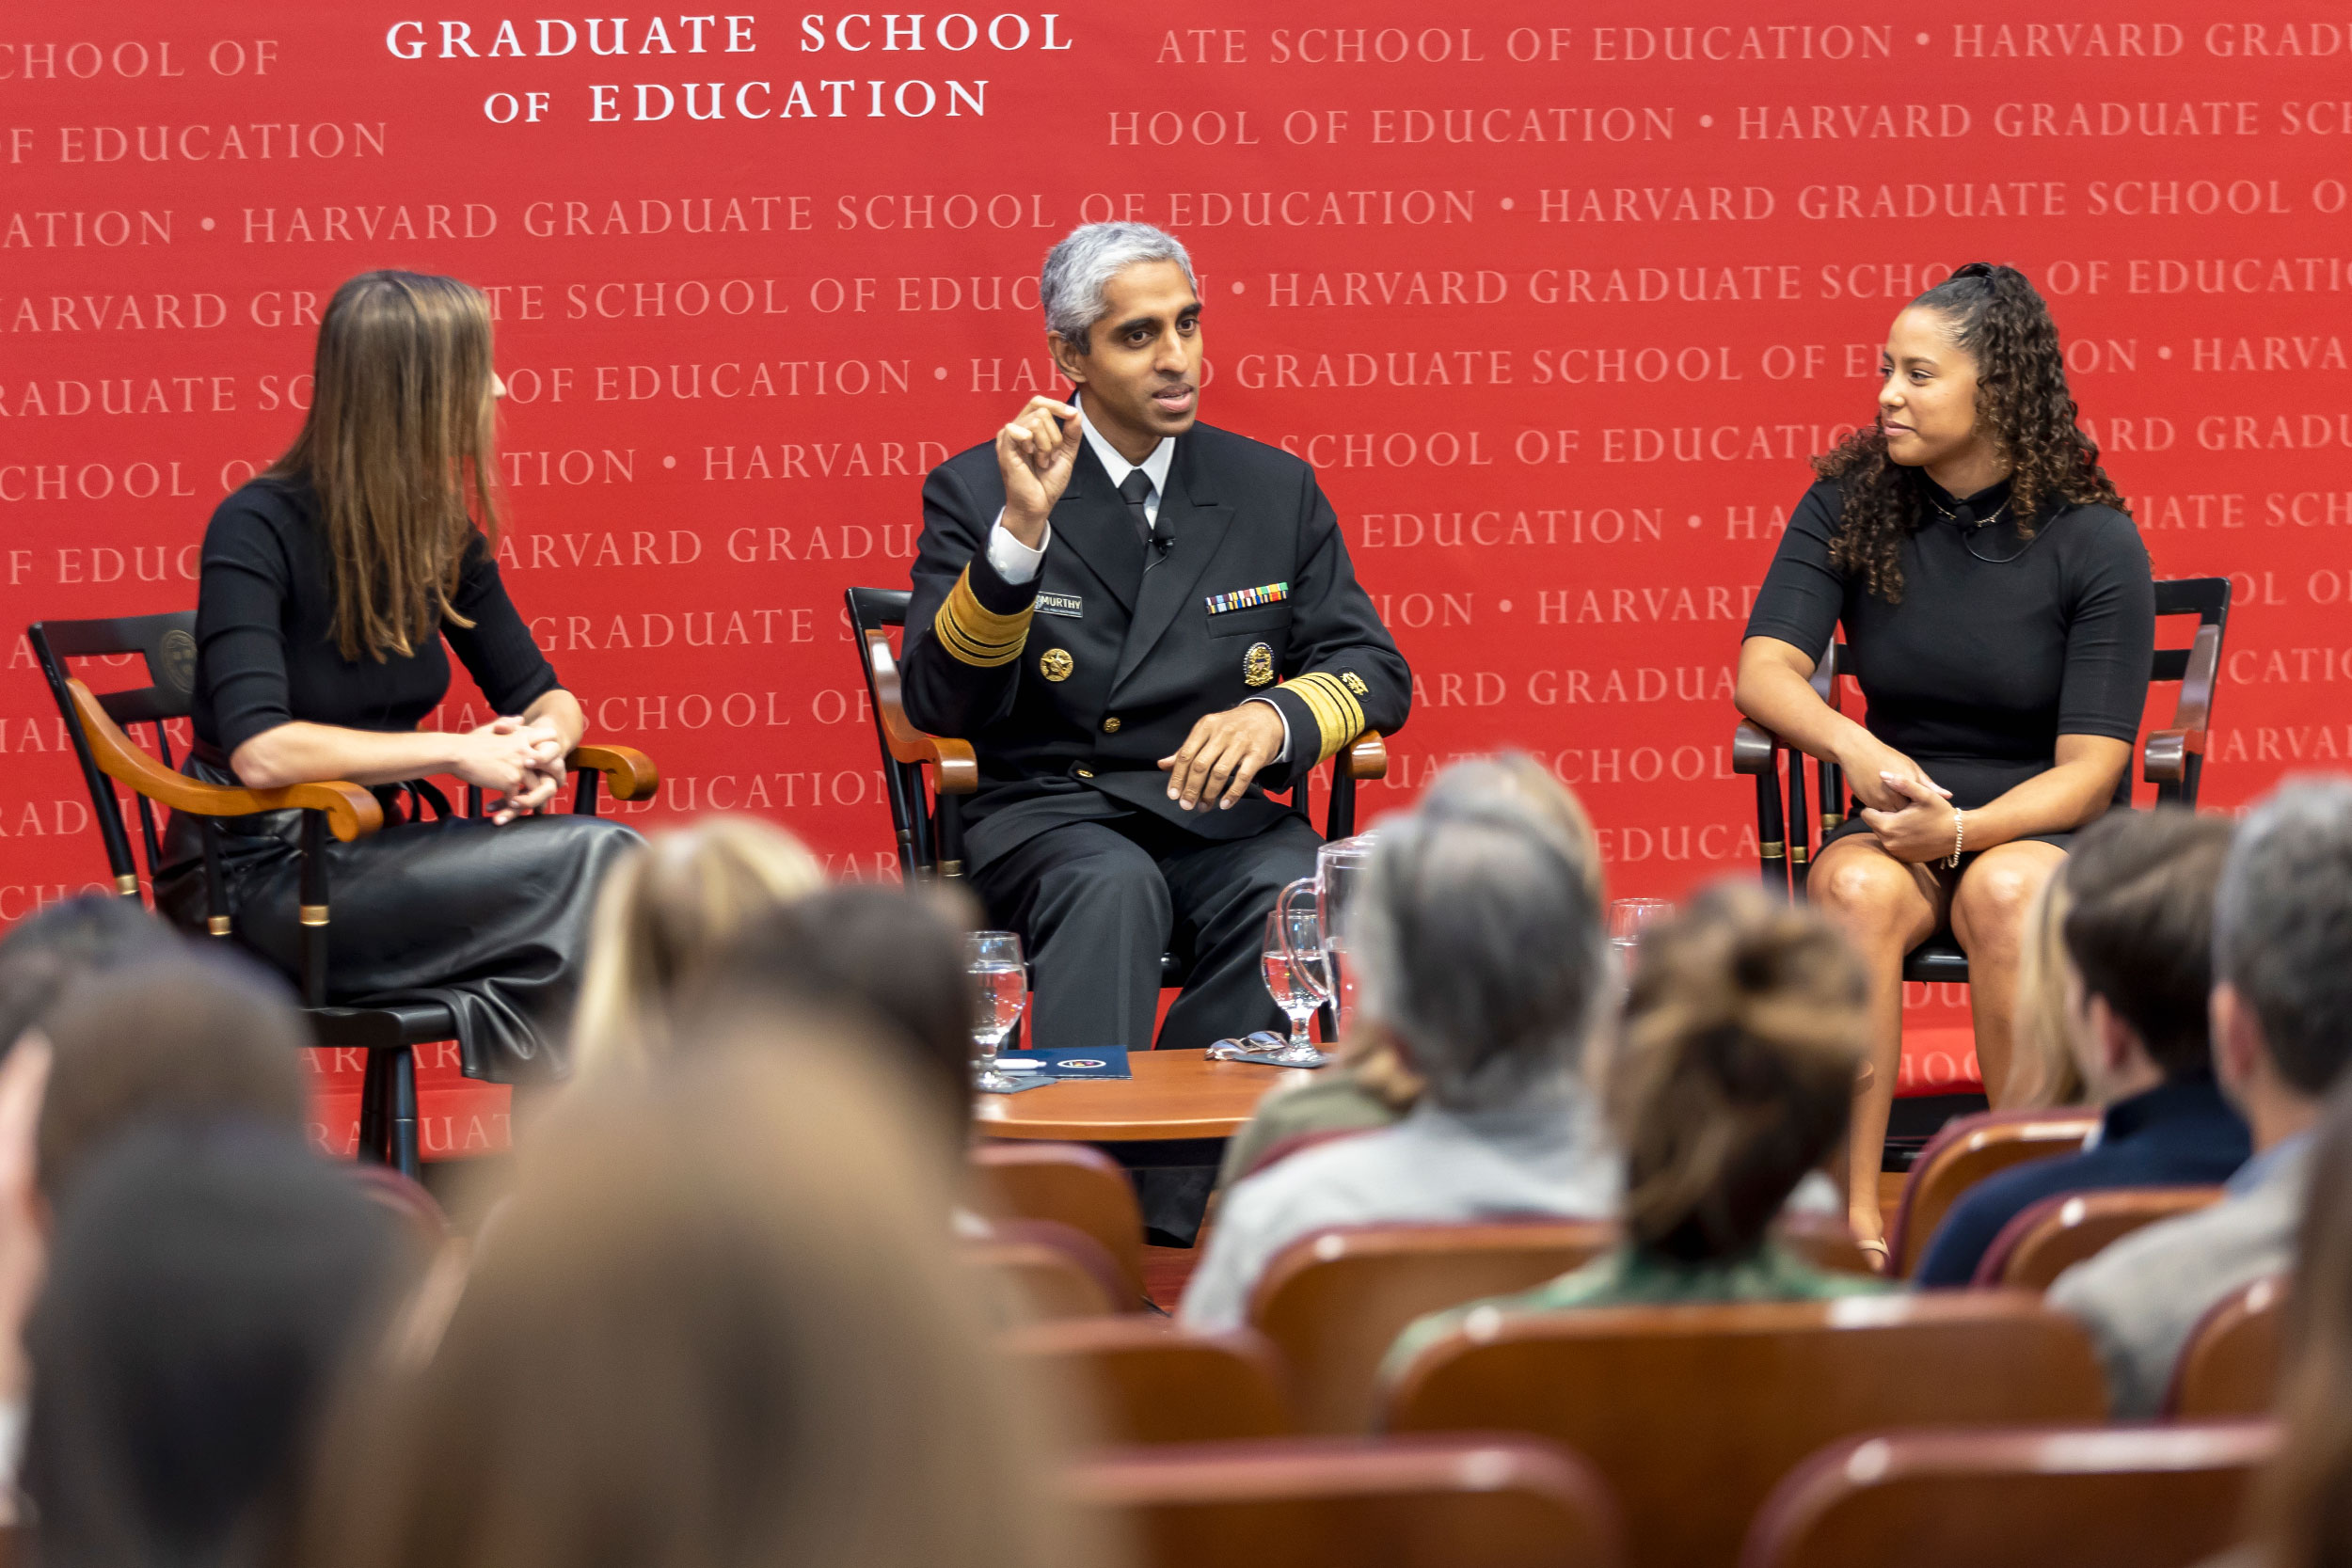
1960, 831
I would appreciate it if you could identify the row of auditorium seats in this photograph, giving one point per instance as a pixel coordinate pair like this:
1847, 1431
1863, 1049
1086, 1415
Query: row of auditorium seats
1697, 1427
2066, 1496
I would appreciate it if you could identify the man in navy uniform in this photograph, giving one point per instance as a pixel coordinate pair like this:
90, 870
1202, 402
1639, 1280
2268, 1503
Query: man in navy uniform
1141, 624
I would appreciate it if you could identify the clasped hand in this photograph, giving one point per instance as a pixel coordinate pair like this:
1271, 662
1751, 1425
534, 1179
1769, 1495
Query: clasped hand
519, 760
1921, 828
1222, 754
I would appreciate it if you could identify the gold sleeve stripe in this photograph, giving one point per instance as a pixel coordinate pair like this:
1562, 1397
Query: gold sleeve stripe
973, 633
1338, 715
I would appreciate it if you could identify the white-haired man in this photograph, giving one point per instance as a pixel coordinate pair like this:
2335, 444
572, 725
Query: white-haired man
1105, 598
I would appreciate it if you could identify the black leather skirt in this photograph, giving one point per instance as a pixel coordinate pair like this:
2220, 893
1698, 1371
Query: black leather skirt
491, 922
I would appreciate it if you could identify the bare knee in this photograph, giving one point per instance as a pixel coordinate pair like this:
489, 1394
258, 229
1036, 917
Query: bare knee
1989, 909
1870, 894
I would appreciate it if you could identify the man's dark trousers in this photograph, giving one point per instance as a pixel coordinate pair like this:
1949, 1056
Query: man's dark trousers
1098, 902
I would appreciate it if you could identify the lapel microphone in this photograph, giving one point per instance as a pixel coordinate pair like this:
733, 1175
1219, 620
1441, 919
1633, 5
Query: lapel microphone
1161, 545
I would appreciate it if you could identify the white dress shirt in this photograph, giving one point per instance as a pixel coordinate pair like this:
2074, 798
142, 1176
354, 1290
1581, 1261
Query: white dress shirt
1017, 563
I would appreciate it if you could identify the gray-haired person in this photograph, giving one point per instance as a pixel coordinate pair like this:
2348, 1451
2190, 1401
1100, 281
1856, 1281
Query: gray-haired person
1477, 938
1142, 624
2281, 1034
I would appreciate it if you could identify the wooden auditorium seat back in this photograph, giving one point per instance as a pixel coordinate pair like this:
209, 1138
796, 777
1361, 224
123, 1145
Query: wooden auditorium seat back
2231, 1364
1146, 1381
2161, 1497
1044, 1271
2045, 1239
1073, 1185
1333, 1303
1447, 1502
1968, 1150
1693, 1413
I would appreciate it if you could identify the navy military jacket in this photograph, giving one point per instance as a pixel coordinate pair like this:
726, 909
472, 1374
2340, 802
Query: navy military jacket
1074, 684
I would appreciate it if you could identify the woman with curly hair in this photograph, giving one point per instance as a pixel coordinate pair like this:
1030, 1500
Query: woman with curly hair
1999, 614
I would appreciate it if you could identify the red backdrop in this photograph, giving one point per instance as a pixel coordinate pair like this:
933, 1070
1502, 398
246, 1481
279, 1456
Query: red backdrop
1558, 310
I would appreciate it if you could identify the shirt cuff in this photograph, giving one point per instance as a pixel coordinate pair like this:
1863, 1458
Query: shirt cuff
1284, 754
1016, 562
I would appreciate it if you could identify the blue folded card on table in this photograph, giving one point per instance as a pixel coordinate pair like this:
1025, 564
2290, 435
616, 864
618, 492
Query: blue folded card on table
1109, 1062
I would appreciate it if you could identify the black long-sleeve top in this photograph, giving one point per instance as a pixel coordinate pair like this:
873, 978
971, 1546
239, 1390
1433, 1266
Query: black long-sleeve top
266, 632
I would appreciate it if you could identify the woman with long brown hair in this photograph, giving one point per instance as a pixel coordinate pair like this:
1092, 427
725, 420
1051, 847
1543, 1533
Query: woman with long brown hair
330, 587
1998, 610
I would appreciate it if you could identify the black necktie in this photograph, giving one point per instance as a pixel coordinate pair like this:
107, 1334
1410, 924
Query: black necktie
1135, 490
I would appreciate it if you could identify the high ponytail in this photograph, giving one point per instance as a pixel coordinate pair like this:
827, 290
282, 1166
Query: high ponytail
2023, 410
1743, 1033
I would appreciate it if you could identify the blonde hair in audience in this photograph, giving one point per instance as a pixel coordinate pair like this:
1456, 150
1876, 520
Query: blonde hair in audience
2044, 1071
2302, 1504
663, 915
1735, 1069
720, 1325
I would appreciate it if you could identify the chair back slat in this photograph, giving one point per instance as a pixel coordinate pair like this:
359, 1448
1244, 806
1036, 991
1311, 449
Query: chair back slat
2068, 1498
1693, 1414
1968, 1150
2047, 1238
1332, 1303
873, 613
1452, 1502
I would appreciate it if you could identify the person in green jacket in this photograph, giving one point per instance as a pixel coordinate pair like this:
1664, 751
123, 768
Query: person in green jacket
1731, 1080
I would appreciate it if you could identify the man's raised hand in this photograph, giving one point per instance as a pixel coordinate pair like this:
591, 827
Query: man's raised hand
1034, 453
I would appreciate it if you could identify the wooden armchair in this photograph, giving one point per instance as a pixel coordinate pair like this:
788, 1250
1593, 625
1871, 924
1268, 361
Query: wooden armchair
930, 824
100, 723
2173, 758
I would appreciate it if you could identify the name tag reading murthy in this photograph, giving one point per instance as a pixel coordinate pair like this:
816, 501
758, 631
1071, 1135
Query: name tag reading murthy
1061, 604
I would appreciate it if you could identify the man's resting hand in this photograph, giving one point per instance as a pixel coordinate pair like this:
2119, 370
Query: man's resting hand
1222, 754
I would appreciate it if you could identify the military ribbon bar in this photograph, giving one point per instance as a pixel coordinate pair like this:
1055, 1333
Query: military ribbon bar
1249, 598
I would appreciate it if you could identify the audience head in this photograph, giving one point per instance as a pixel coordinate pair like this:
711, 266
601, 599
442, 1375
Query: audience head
1517, 776
1735, 1069
887, 960
2282, 953
208, 1286
720, 1325
44, 954
400, 444
662, 916
2300, 1517
2139, 938
1478, 940
2043, 1070
199, 1036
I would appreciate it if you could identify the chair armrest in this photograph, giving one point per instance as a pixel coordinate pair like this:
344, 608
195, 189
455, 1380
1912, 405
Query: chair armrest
1366, 756
628, 773
351, 810
955, 766
1752, 747
2166, 758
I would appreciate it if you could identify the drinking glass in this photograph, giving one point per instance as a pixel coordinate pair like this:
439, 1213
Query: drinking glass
1296, 976
1628, 919
1000, 989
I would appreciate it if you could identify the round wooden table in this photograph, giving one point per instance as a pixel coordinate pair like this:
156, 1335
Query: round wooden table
1173, 1093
